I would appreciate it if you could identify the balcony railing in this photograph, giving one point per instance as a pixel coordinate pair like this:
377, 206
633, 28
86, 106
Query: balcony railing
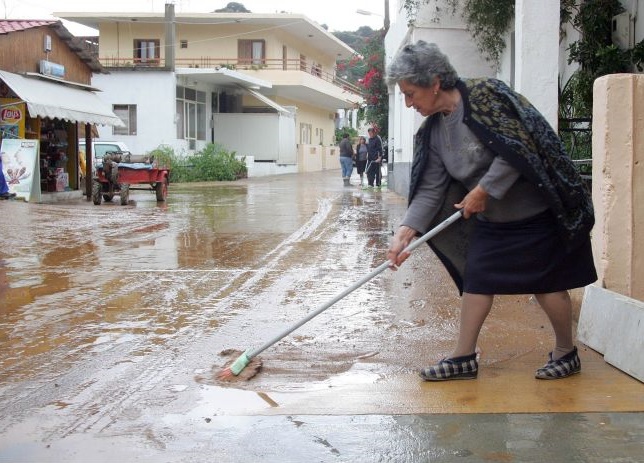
207, 62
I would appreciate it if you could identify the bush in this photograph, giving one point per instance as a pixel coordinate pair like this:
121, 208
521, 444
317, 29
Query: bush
339, 133
213, 163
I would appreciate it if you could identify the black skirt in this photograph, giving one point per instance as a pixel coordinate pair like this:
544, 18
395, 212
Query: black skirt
525, 257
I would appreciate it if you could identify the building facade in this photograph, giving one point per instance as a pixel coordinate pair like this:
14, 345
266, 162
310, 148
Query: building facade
261, 85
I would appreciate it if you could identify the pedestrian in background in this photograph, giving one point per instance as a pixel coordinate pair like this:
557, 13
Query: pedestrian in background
374, 158
346, 158
361, 157
484, 149
4, 188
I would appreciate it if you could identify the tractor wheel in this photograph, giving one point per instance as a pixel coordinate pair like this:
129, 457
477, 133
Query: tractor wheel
125, 194
96, 192
162, 190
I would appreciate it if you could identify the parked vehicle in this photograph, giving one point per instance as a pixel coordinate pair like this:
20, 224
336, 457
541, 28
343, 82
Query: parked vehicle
99, 149
116, 175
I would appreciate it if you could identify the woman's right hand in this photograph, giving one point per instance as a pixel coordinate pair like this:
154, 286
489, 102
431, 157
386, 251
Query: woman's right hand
403, 236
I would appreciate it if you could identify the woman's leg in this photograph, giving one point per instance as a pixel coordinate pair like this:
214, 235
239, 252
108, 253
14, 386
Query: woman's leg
474, 310
463, 363
558, 308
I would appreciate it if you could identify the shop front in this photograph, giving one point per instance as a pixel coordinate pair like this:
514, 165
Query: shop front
39, 125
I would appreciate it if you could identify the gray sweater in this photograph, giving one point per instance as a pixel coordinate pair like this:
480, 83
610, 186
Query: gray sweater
456, 153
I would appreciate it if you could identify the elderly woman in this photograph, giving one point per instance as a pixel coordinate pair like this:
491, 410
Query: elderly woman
485, 150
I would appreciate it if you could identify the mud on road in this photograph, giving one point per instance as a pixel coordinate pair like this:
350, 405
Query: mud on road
113, 317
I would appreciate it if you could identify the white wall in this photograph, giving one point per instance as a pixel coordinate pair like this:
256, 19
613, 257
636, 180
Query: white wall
154, 94
258, 135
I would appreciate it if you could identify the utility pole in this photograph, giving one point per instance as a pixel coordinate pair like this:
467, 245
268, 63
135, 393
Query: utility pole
386, 25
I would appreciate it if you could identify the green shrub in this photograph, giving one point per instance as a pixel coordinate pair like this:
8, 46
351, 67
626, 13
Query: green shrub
339, 133
213, 163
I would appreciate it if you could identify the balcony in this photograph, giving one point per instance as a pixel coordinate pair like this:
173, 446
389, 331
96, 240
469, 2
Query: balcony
207, 62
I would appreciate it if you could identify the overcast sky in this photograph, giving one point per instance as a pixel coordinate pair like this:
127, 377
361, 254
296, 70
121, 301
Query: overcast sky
339, 15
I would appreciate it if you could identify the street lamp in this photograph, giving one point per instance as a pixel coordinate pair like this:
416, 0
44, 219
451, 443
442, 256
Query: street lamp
368, 13
371, 13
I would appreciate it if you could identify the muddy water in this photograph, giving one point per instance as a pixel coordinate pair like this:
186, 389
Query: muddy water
101, 304
112, 317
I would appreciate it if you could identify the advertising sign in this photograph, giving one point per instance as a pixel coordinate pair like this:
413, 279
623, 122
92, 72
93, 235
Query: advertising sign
12, 118
20, 167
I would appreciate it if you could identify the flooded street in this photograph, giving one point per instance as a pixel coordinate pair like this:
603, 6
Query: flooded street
113, 318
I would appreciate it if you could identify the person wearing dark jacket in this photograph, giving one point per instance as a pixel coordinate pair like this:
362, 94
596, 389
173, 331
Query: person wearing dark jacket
374, 158
346, 158
484, 149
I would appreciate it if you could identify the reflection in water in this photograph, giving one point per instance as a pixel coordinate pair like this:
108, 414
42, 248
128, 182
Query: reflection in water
135, 290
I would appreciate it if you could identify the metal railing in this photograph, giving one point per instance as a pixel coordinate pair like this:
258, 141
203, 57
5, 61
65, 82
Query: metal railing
577, 136
209, 62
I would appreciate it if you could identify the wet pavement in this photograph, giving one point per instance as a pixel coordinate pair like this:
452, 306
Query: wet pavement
113, 318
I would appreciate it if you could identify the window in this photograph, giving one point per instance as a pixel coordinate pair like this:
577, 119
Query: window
191, 114
127, 113
251, 52
184, 44
147, 51
306, 131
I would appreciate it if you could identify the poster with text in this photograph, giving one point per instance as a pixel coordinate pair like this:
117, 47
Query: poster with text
12, 118
20, 167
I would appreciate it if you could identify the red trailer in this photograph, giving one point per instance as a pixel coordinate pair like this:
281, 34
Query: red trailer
119, 178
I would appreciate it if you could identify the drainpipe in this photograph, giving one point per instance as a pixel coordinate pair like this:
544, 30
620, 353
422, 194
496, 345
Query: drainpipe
170, 36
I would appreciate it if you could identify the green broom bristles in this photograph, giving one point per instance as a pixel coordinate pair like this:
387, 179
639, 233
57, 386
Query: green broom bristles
239, 364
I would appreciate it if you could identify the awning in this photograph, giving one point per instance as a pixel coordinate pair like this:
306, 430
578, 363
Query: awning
266, 100
59, 101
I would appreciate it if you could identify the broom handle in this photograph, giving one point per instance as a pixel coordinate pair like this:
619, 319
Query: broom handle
385, 265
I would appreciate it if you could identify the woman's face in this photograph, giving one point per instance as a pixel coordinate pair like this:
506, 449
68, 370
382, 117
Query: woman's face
422, 99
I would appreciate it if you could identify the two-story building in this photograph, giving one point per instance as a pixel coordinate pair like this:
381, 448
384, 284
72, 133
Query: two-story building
262, 85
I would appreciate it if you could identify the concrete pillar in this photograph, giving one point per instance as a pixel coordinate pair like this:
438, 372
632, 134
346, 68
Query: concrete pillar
618, 183
612, 312
537, 65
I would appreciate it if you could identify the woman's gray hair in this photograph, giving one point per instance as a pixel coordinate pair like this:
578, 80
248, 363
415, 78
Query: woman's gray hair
420, 64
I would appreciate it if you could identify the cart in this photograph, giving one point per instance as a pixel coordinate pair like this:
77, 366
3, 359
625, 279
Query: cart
118, 178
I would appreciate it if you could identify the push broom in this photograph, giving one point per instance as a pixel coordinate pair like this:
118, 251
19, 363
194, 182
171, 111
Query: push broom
244, 359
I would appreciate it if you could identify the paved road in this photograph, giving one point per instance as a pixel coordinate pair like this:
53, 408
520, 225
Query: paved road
113, 318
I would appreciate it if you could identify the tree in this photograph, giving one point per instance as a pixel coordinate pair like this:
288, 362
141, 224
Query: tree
373, 82
367, 69
233, 7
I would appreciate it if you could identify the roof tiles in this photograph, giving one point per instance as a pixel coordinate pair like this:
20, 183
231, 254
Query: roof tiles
16, 25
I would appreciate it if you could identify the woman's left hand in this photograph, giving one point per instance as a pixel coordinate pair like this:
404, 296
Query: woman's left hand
474, 202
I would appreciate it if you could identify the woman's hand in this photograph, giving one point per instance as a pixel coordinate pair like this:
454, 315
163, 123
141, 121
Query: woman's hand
400, 241
474, 202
